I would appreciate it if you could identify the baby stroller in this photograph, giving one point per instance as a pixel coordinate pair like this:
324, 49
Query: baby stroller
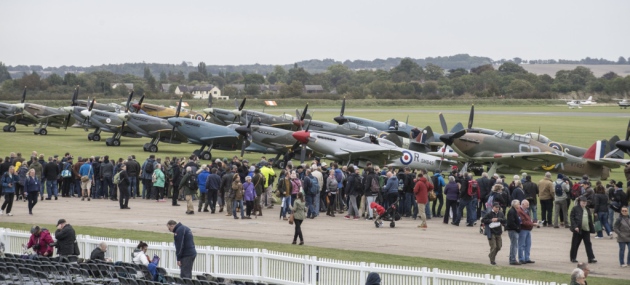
391, 215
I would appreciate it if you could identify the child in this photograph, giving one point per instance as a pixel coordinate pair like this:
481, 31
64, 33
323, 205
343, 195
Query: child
380, 211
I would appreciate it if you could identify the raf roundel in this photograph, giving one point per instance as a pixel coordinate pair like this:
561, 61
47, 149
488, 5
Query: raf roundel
108, 120
406, 157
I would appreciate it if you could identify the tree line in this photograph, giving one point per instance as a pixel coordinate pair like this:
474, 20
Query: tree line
407, 79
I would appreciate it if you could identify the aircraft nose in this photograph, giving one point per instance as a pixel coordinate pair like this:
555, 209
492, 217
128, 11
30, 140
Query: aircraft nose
124, 117
173, 121
136, 106
236, 112
623, 145
68, 109
86, 113
301, 136
242, 130
340, 120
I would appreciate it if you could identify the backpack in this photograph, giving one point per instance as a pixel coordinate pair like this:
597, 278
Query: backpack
149, 168
374, 187
169, 171
490, 201
473, 188
358, 185
65, 173
436, 184
117, 178
191, 183
576, 191
22, 174
559, 191
314, 185
401, 185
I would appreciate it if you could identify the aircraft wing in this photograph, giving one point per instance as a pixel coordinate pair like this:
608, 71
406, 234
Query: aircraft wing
610, 162
449, 155
525, 160
348, 153
165, 136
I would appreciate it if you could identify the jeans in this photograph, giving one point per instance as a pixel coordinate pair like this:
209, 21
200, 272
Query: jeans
411, 206
43, 187
524, 245
440, 202
611, 216
451, 206
546, 211
123, 200
310, 205
238, 203
133, 188
298, 230
513, 245
603, 219
52, 188
427, 210
316, 206
185, 271
533, 212
77, 187
622, 251
146, 188
285, 206
368, 202
471, 211
560, 205
107, 186
97, 188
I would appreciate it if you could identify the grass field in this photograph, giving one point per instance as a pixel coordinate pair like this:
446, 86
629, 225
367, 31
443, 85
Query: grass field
339, 254
577, 130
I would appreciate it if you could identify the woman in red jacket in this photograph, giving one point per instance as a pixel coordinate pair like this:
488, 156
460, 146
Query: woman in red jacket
40, 241
421, 190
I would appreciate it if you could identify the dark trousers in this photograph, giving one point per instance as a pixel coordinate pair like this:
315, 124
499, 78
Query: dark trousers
107, 187
8, 202
203, 199
482, 203
331, 204
159, 192
32, 200
124, 197
577, 240
439, 200
147, 184
175, 194
212, 199
450, 205
546, 209
249, 207
298, 230
185, 271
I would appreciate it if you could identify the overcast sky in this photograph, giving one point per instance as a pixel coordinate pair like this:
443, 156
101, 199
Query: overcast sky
83, 33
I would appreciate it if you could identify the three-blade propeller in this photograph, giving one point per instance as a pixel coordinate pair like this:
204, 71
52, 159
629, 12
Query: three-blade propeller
341, 119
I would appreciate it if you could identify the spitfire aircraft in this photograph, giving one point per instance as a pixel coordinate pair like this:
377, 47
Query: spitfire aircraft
509, 153
33, 114
237, 116
206, 134
392, 126
165, 112
108, 122
158, 129
345, 150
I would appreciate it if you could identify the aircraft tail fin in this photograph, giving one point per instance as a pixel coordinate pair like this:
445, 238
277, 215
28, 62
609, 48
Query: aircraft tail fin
590, 98
394, 138
596, 151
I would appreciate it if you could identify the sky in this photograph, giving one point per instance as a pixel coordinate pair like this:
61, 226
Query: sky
84, 33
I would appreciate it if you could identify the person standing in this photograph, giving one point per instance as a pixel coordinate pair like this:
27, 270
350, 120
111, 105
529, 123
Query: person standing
87, 176
39, 169
421, 192
237, 196
390, 190
184, 247
107, 174
561, 189
452, 192
582, 227
158, 180
525, 235
622, 229
249, 196
124, 188
493, 220
50, 173
175, 180
202, 176
213, 183
531, 194
226, 187
299, 211
600, 203
66, 239
9, 181
133, 170
259, 185
188, 191
32, 186
513, 226
267, 172
545, 186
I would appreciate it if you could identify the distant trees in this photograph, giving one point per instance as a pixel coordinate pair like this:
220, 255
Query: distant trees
4, 73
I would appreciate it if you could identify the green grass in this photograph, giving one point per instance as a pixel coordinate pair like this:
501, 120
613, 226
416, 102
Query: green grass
339, 254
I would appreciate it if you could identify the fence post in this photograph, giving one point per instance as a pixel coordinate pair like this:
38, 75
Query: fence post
436, 280
497, 280
216, 260
313, 267
256, 264
486, 279
263, 261
424, 271
362, 273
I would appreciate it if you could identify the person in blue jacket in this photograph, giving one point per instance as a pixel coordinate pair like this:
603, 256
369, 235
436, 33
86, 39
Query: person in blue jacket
32, 185
390, 190
184, 247
9, 180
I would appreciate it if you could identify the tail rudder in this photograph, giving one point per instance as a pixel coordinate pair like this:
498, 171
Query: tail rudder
596, 151
590, 98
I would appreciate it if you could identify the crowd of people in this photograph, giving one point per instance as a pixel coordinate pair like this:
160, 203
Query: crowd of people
243, 190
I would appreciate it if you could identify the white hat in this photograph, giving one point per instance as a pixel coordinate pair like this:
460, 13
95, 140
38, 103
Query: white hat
324, 164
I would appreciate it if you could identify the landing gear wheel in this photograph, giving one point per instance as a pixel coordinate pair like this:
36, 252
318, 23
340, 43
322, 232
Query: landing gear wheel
392, 224
5, 128
12, 129
91, 136
145, 147
197, 153
43, 132
96, 137
116, 142
206, 155
153, 148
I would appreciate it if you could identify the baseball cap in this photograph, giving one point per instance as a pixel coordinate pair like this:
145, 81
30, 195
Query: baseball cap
61, 221
217, 160
324, 164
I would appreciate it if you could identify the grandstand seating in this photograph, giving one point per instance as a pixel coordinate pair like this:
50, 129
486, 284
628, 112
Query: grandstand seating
71, 271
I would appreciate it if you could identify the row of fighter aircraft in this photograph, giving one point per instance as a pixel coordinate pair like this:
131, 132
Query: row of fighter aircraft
351, 140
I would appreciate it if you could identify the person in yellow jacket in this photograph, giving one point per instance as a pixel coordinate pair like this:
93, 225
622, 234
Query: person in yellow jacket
267, 171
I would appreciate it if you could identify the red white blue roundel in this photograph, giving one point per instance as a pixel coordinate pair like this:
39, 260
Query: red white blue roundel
406, 157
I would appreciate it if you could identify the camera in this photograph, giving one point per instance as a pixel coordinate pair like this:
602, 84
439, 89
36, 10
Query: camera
53, 244
36, 247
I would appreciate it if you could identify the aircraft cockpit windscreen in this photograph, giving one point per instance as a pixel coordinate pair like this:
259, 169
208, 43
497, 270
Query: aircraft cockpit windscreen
538, 137
286, 116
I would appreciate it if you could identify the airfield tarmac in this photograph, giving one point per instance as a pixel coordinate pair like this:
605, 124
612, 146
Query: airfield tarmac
550, 247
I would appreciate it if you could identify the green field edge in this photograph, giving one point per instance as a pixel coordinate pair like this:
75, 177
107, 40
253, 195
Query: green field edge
333, 253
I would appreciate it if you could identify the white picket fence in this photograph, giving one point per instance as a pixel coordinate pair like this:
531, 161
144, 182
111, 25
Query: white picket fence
275, 267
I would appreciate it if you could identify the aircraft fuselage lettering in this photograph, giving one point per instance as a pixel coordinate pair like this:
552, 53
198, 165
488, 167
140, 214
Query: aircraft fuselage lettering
192, 124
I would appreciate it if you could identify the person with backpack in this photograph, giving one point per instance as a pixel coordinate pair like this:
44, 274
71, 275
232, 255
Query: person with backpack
561, 194
283, 190
189, 186
310, 185
202, 176
87, 176
148, 167
466, 199
438, 186
600, 206
353, 186
158, 180
123, 187
618, 199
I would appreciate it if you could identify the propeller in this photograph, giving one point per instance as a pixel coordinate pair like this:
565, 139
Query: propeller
341, 119
129, 100
23, 96
88, 113
179, 108
138, 105
471, 117
210, 101
625, 144
300, 122
237, 111
65, 127
246, 134
75, 96
302, 138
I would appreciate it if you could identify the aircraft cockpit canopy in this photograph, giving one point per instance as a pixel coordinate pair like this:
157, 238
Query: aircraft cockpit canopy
538, 137
286, 116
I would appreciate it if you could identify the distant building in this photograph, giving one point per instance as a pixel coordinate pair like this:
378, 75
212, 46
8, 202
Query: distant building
165, 87
181, 89
201, 92
269, 89
128, 85
313, 89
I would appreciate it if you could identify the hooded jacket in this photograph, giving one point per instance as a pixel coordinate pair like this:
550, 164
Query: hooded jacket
65, 240
422, 190
622, 229
373, 279
44, 240
139, 257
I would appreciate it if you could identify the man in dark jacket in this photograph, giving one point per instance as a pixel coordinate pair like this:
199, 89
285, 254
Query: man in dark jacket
184, 247
492, 217
465, 202
513, 226
133, 170
531, 194
66, 237
226, 185
107, 174
370, 192
50, 172
213, 183
99, 252
175, 179
485, 187
582, 228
